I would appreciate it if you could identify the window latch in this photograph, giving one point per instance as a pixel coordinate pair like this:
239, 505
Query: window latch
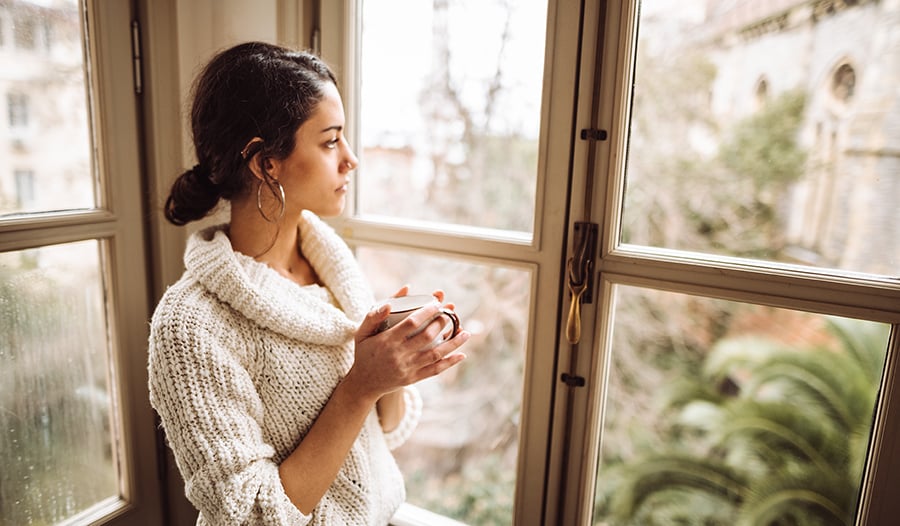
580, 276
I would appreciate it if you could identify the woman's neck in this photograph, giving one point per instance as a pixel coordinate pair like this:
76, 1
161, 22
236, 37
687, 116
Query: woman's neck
276, 245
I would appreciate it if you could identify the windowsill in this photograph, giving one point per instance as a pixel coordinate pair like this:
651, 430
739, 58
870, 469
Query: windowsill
409, 515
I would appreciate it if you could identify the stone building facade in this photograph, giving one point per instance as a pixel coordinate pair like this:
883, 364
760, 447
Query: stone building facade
845, 55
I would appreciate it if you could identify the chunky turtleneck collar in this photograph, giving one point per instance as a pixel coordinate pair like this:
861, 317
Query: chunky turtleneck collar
275, 302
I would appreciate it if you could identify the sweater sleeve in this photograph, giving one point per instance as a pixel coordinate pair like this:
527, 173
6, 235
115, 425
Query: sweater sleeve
211, 411
411, 416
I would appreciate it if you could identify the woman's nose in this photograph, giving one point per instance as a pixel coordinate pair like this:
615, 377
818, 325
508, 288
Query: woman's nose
352, 161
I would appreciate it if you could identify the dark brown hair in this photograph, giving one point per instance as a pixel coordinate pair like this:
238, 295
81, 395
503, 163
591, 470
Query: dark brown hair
250, 90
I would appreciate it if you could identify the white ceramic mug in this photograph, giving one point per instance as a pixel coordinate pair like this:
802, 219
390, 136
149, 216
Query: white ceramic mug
405, 305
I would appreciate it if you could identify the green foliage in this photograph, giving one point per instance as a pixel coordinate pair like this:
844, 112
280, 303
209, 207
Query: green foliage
787, 448
764, 146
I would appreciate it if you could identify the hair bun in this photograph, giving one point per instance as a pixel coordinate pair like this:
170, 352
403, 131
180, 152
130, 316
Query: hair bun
201, 174
192, 196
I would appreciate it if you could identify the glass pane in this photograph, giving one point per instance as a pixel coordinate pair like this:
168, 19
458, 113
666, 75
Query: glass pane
767, 130
722, 413
461, 460
46, 161
450, 110
57, 443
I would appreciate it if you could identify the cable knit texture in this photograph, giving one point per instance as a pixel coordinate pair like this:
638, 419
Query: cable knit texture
242, 360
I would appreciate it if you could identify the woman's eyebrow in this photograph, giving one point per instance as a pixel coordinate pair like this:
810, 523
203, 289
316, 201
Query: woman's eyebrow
336, 127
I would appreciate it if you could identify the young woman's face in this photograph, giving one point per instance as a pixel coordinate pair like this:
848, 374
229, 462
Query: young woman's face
316, 173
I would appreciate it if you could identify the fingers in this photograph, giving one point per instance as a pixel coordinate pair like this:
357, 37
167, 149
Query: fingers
439, 295
404, 290
442, 357
372, 322
440, 366
412, 350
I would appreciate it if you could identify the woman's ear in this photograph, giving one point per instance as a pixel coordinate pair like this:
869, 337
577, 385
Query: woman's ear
256, 164
257, 161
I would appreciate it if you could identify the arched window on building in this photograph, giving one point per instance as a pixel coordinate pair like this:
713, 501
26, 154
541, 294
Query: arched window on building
760, 94
843, 83
824, 203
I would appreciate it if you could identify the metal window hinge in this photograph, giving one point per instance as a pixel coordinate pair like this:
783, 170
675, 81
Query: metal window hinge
136, 57
593, 134
572, 380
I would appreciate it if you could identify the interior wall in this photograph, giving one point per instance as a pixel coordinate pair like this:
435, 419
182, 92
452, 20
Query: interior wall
207, 26
179, 37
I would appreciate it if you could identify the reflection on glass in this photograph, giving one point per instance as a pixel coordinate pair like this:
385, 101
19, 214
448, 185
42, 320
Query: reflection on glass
721, 413
45, 146
450, 110
461, 461
56, 446
767, 130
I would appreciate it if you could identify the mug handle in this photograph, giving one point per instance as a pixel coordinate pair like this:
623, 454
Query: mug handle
454, 319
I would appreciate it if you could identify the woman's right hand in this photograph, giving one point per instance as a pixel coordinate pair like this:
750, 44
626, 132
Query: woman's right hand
391, 359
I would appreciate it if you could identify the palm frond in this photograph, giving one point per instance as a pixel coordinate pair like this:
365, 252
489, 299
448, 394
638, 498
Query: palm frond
787, 429
732, 354
674, 470
829, 382
865, 341
804, 495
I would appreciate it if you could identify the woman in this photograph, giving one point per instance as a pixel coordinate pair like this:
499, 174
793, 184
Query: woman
279, 398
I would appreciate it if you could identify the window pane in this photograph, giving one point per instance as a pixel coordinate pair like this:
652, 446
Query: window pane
450, 110
56, 446
720, 412
46, 161
461, 460
768, 130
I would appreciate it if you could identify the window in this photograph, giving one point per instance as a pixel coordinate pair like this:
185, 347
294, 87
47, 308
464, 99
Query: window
752, 405
746, 251
440, 143
49, 118
24, 188
762, 93
25, 30
18, 110
450, 119
843, 83
461, 460
747, 296
763, 157
73, 408
457, 135
59, 458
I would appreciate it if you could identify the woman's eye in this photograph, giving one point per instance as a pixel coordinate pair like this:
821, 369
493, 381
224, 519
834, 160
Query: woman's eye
332, 143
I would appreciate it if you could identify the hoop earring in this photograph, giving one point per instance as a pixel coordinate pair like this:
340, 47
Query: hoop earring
280, 195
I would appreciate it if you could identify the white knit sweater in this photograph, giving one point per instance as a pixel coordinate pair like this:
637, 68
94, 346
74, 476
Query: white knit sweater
242, 360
